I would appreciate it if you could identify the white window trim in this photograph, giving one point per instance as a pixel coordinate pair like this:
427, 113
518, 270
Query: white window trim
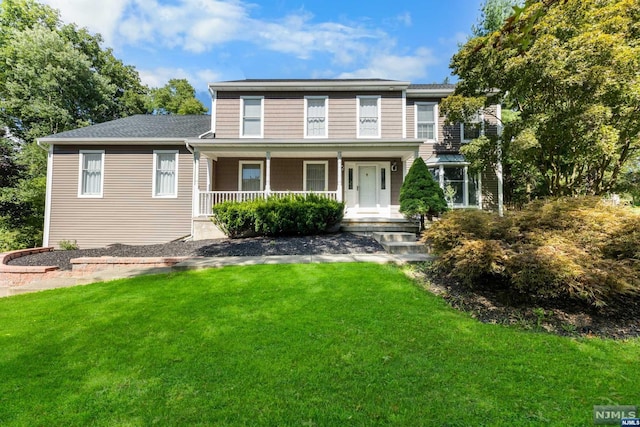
436, 114
326, 116
155, 174
80, 177
250, 162
478, 119
316, 162
465, 185
378, 98
241, 129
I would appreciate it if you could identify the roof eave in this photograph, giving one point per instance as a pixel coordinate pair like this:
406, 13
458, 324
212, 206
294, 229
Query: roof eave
113, 141
429, 93
311, 85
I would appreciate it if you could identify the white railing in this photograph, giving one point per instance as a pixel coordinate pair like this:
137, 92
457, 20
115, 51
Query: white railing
208, 199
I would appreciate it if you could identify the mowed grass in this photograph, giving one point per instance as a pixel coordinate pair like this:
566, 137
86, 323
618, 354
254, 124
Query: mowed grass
298, 345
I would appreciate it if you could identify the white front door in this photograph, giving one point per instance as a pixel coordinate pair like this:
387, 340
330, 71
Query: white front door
367, 192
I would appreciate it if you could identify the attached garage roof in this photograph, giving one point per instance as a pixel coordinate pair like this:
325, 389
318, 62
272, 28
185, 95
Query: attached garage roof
139, 127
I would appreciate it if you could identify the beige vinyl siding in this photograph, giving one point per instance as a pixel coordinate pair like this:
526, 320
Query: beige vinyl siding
392, 115
127, 213
284, 114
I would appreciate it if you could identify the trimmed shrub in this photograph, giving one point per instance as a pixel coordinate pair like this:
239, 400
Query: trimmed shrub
567, 248
278, 216
420, 194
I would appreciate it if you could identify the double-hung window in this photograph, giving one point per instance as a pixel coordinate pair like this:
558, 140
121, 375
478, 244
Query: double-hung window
165, 173
250, 176
426, 121
91, 179
368, 117
252, 117
315, 117
473, 129
316, 175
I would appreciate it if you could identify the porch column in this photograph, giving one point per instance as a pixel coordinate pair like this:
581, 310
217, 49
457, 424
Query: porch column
339, 187
195, 203
267, 180
465, 187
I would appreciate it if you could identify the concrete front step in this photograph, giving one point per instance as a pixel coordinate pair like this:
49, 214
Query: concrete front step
394, 237
368, 226
404, 247
400, 243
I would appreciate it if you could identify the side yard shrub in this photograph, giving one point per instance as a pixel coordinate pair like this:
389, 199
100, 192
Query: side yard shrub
278, 216
567, 248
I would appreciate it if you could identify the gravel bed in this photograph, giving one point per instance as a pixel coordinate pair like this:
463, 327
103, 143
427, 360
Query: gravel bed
340, 243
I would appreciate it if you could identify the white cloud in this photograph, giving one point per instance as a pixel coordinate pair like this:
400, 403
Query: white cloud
98, 16
389, 66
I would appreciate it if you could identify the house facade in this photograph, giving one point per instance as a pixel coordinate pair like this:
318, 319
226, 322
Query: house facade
153, 179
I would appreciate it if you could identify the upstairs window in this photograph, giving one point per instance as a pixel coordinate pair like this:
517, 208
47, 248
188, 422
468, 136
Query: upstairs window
369, 116
316, 117
165, 176
91, 178
472, 129
426, 124
252, 117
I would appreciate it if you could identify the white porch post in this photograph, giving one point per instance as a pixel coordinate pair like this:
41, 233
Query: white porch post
465, 187
267, 181
339, 186
196, 181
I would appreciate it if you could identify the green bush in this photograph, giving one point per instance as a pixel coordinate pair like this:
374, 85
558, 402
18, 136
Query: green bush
567, 248
68, 245
278, 216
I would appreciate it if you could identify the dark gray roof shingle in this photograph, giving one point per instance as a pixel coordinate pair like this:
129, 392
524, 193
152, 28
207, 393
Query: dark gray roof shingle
143, 126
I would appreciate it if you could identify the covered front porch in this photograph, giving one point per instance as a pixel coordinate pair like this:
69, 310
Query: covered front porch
364, 174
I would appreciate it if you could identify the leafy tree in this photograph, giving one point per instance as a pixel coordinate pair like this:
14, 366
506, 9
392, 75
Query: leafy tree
176, 97
493, 15
568, 68
53, 78
420, 194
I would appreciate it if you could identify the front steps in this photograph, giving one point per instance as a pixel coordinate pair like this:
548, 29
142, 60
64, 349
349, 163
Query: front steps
368, 226
400, 243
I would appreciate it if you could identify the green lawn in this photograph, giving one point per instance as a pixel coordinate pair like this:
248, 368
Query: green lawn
326, 345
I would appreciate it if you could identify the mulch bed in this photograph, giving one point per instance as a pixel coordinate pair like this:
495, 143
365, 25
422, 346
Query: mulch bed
567, 318
340, 243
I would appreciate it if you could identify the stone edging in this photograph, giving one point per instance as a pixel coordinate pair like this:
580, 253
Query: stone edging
18, 275
19, 269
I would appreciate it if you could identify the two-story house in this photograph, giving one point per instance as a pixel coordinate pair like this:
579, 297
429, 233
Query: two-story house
152, 179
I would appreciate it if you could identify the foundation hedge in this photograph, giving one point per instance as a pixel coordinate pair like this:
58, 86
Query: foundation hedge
278, 216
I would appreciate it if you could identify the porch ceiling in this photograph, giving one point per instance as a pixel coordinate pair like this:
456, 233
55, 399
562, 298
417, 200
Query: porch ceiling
309, 148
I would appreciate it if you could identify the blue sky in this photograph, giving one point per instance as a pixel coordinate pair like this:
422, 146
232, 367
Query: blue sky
214, 40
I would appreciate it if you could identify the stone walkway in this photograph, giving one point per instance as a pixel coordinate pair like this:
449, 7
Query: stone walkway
197, 263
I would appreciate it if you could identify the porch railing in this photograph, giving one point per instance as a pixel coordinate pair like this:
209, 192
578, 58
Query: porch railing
207, 199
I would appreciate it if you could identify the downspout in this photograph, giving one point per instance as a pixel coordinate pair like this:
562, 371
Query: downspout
47, 205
